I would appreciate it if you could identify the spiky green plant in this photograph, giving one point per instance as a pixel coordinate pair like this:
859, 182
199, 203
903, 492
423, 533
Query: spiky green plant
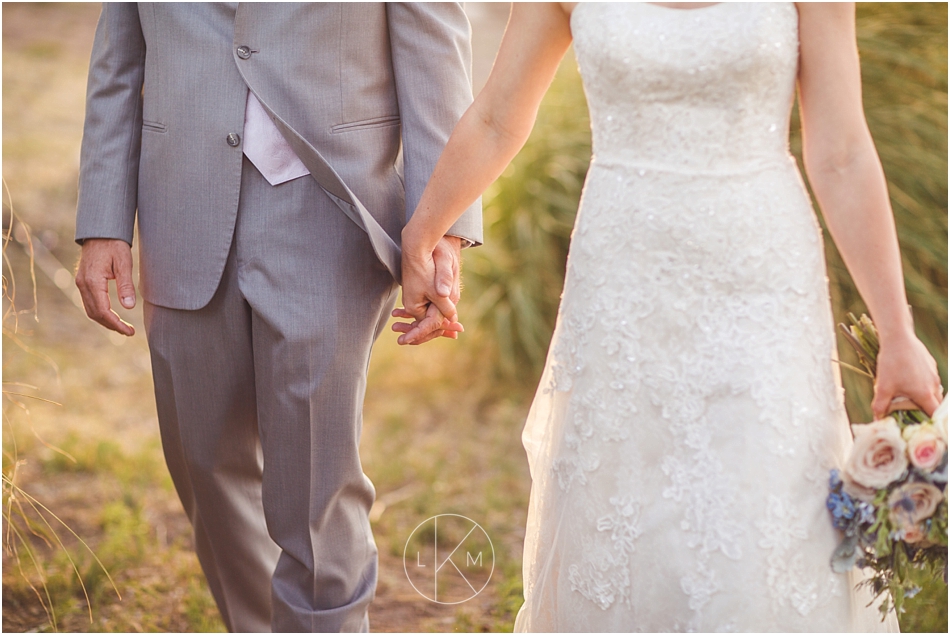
904, 71
514, 280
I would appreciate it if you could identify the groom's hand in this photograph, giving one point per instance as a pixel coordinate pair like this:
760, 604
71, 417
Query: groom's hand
431, 288
102, 260
436, 326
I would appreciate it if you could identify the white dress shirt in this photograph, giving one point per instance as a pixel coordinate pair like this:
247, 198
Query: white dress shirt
270, 153
266, 148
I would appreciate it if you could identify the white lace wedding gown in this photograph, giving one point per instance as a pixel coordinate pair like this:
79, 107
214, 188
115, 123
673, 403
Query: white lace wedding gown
689, 411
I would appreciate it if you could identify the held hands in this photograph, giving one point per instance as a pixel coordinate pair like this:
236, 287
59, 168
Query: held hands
905, 370
105, 259
430, 288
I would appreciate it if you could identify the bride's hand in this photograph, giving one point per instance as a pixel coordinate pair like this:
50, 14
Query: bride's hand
430, 289
428, 277
905, 368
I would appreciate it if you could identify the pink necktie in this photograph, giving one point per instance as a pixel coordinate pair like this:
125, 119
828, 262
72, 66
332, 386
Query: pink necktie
266, 148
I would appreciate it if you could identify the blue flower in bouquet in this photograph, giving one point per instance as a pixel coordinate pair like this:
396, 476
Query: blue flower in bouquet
842, 508
834, 480
865, 513
899, 462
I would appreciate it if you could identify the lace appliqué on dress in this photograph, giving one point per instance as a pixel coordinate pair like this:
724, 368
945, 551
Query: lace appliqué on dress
785, 536
605, 578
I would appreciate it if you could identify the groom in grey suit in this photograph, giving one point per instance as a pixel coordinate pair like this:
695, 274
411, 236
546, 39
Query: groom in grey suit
270, 154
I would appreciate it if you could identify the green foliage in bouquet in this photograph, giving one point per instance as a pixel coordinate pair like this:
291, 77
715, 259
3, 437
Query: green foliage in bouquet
890, 501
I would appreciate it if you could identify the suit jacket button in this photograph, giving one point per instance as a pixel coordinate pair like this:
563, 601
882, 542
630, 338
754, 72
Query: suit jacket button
244, 52
234, 139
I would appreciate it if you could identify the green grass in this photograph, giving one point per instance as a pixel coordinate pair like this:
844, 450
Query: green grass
115, 501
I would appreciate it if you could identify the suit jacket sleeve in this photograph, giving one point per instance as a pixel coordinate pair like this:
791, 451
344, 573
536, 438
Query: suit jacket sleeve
432, 61
112, 134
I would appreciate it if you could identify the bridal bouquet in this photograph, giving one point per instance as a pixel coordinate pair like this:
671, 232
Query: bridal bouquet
890, 499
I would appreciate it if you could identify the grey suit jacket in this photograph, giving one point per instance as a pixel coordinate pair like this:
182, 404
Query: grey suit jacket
376, 88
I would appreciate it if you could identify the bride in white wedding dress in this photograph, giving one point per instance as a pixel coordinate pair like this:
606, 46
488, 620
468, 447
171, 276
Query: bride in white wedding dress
690, 409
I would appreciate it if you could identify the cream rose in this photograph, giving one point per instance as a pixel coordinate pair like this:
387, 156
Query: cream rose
878, 456
910, 505
924, 446
855, 490
940, 420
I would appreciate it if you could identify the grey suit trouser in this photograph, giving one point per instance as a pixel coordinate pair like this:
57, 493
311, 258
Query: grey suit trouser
260, 398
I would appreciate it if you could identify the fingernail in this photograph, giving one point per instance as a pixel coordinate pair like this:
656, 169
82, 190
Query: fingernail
128, 302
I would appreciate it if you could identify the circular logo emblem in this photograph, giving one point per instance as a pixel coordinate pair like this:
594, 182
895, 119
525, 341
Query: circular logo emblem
449, 559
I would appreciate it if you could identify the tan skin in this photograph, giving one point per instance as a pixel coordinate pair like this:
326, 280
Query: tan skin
105, 259
841, 163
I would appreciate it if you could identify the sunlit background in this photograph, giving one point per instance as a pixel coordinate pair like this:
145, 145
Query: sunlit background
83, 472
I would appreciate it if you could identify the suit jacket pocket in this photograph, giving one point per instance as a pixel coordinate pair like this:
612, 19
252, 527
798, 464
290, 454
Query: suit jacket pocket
375, 122
153, 126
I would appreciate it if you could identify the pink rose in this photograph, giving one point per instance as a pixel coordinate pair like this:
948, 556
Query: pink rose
878, 456
913, 533
924, 446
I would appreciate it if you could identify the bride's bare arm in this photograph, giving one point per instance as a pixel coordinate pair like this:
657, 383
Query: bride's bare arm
846, 175
485, 140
